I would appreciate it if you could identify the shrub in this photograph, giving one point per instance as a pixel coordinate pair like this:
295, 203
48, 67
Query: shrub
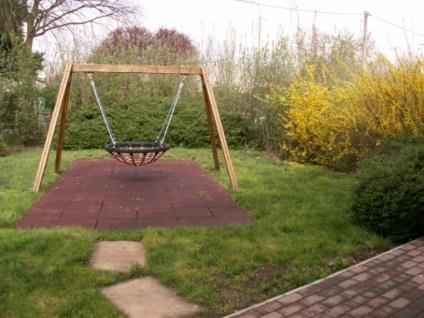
3, 147
389, 195
333, 122
142, 120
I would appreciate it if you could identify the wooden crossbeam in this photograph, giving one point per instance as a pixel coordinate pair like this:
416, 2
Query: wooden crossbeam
151, 69
62, 104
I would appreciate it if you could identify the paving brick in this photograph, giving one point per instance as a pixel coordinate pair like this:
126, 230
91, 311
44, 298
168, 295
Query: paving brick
268, 307
357, 301
329, 292
298, 315
388, 285
409, 312
382, 312
272, 315
418, 259
408, 247
408, 264
361, 311
414, 271
358, 269
290, 298
413, 253
386, 257
291, 309
315, 310
346, 274
348, 283
400, 303
333, 301
414, 294
407, 286
310, 300
419, 279
392, 294
338, 311
361, 277
378, 302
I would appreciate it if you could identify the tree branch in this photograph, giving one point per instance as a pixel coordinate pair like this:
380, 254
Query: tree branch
59, 14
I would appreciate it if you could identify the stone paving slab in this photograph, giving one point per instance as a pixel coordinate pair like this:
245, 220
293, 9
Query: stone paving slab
119, 256
105, 194
147, 297
388, 285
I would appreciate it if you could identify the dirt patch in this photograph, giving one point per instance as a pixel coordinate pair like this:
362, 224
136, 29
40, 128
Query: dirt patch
255, 287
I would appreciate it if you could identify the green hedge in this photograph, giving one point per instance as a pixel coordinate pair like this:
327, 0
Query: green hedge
389, 195
142, 120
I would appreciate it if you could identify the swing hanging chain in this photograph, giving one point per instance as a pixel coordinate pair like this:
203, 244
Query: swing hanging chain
165, 126
167, 122
101, 107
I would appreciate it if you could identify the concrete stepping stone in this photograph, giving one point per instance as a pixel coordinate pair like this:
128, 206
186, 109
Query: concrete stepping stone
120, 256
147, 297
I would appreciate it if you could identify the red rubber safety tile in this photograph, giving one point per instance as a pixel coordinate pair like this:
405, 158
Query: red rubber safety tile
193, 212
104, 194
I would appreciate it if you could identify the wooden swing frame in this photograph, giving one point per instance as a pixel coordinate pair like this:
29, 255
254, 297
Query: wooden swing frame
62, 105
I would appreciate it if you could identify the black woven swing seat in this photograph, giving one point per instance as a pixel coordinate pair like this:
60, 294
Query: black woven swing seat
137, 153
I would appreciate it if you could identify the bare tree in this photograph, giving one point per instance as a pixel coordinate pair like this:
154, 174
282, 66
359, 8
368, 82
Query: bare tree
44, 16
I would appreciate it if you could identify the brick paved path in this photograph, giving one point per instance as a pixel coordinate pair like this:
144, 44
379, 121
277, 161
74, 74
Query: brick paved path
106, 194
388, 285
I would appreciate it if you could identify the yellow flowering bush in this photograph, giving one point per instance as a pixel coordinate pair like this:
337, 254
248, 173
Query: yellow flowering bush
334, 122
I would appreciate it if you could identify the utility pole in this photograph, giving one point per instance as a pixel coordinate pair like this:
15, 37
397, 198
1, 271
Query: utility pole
365, 40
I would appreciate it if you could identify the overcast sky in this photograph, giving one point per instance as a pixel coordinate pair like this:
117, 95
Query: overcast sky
201, 19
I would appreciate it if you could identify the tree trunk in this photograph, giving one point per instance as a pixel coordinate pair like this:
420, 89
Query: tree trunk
9, 25
30, 21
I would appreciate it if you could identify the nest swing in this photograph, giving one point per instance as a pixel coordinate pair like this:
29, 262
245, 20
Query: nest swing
137, 153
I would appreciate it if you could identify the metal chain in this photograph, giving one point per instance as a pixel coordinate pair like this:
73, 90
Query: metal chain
167, 122
165, 126
101, 107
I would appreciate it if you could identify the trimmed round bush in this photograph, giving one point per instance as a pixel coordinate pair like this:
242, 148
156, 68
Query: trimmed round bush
389, 194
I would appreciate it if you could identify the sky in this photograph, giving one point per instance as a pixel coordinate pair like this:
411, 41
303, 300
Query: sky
203, 19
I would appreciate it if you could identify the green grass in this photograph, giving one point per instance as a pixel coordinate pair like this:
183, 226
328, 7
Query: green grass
302, 233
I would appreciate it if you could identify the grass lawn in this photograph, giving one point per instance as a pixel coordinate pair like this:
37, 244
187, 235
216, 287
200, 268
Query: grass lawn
302, 233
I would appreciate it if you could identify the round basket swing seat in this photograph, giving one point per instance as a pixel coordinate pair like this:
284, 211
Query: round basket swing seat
137, 153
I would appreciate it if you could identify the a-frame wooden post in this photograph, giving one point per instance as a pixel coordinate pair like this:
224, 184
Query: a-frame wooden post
60, 139
211, 104
62, 103
211, 124
64, 87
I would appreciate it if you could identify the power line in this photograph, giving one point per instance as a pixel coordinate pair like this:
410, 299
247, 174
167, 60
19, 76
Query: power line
395, 25
297, 9
260, 4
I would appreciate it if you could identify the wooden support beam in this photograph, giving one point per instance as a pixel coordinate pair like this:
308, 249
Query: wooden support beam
220, 129
53, 121
151, 69
211, 124
63, 117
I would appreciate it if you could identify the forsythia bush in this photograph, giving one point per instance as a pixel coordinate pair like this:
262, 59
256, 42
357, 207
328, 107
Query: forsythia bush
334, 122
